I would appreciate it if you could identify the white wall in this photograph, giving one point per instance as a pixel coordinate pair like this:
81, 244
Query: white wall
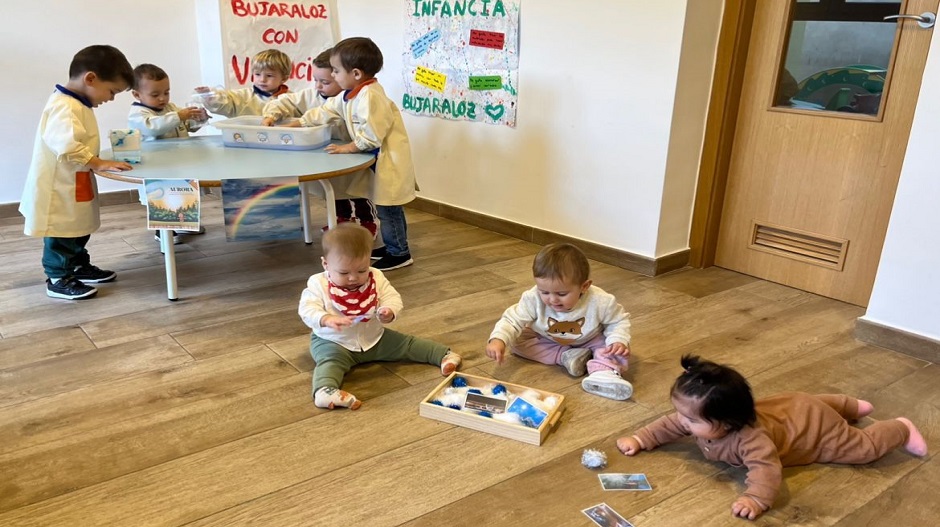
588, 158
906, 293
38, 42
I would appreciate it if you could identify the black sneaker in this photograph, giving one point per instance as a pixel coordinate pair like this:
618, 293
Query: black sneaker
69, 288
378, 254
176, 237
91, 274
389, 262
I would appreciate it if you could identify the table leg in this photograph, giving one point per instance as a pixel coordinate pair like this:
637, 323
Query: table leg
169, 261
305, 212
330, 198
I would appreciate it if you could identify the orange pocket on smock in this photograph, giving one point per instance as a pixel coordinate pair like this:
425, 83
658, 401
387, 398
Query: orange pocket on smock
83, 188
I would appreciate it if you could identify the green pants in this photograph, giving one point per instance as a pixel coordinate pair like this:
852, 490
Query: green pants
334, 361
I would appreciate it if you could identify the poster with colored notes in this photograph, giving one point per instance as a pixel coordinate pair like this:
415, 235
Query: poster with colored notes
461, 60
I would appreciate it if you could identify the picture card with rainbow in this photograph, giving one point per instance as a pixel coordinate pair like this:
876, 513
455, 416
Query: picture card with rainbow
173, 204
262, 209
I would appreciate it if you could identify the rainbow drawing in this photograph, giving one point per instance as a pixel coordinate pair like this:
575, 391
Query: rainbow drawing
261, 208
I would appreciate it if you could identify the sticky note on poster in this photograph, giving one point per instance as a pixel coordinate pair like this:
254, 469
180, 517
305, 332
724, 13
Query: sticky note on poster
486, 82
430, 78
487, 39
420, 47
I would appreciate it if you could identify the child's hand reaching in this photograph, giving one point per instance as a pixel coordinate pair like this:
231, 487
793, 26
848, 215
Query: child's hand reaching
496, 349
267, 121
196, 114
348, 148
619, 349
385, 315
745, 507
103, 165
203, 89
336, 322
629, 446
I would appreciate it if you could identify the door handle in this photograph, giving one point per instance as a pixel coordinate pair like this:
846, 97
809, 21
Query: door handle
925, 20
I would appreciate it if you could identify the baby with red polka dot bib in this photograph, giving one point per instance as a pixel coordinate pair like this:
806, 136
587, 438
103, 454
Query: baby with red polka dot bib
346, 306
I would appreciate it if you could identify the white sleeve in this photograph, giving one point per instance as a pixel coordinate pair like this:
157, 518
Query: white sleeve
515, 319
329, 113
150, 123
373, 121
388, 295
65, 134
312, 307
292, 104
234, 103
616, 322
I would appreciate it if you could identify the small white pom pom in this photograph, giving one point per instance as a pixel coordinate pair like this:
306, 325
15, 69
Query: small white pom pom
531, 395
594, 458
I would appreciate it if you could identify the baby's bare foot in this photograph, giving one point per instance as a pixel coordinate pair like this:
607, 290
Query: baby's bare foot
916, 444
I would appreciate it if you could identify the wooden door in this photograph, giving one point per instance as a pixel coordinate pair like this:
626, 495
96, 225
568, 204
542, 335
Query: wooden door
816, 158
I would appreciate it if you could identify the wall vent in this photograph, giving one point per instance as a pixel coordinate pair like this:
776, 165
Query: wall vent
804, 246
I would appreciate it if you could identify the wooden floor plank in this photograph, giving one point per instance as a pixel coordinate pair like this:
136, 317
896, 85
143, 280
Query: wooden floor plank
128, 409
77, 370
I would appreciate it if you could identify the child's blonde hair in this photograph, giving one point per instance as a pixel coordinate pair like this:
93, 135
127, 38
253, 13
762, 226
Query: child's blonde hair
562, 261
348, 239
272, 59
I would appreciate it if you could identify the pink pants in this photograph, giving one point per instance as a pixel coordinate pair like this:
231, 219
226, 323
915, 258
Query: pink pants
533, 346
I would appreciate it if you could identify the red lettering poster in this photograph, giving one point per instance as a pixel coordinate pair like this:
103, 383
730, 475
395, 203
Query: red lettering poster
301, 29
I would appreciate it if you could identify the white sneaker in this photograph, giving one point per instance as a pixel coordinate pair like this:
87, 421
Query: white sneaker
609, 384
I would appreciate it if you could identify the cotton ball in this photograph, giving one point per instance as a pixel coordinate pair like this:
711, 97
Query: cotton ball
484, 413
475, 390
593, 458
551, 402
531, 396
508, 417
499, 389
437, 402
459, 382
452, 400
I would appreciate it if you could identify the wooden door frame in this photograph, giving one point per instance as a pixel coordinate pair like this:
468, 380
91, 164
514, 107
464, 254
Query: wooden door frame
731, 57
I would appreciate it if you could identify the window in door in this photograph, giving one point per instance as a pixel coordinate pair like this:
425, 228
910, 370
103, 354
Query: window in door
837, 56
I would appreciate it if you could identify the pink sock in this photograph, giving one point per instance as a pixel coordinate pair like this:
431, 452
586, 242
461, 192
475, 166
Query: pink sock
916, 444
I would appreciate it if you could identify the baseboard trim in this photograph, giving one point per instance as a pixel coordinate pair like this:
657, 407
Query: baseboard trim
623, 259
117, 197
897, 340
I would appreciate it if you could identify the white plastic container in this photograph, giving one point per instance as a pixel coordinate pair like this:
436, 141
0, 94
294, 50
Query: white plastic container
247, 132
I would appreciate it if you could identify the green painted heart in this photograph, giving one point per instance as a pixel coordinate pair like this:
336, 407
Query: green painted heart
495, 112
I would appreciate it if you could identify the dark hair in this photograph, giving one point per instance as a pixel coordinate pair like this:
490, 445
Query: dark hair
359, 53
562, 261
148, 71
348, 239
724, 393
107, 62
323, 59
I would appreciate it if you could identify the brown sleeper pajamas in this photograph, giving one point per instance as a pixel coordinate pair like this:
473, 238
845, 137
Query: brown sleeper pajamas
792, 429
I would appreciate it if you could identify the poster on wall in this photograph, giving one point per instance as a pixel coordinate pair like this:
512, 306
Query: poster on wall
301, 29
461, 59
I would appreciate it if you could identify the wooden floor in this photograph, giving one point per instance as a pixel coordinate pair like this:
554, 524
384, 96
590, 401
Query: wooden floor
130, 410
